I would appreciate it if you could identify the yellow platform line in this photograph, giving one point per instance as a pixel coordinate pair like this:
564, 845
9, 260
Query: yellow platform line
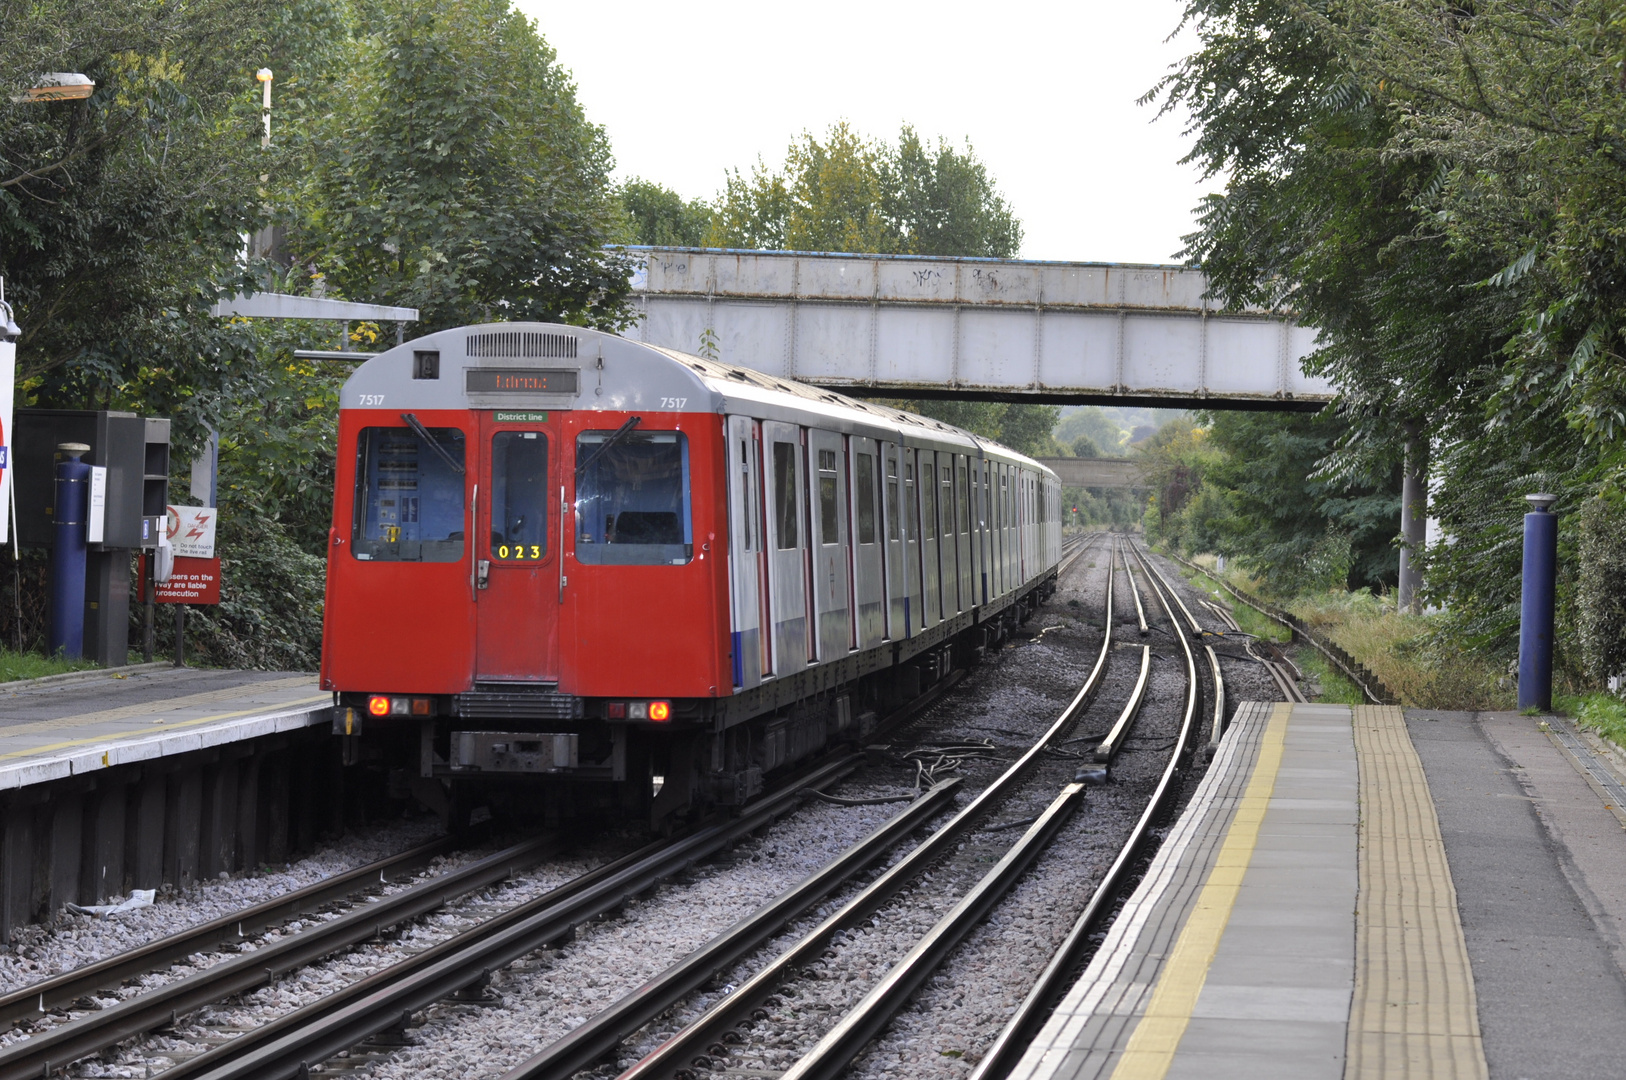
1151, 1048
1414, 1013
117, 735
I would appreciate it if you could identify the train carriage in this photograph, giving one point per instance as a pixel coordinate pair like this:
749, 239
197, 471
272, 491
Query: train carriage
566, 563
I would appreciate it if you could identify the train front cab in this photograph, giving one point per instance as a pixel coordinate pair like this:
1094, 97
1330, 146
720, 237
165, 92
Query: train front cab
511, 592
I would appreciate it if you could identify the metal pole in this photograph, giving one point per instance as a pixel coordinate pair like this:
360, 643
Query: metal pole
1536, 604
180, 635
149, 586
67, 637
1413, 517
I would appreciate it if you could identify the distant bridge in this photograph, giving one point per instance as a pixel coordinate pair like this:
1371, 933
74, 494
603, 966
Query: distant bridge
911, 327
1096, 472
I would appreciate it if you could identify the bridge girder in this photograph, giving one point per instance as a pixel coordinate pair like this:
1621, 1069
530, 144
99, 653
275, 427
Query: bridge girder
910, 327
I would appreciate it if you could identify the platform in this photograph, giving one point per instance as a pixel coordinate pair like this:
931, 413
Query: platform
65, 726
1365, 893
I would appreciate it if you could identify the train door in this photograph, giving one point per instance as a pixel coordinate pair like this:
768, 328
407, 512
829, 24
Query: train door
897, 584
827, 494
745, 553
931, 606
516, 541
867, 532
786, 538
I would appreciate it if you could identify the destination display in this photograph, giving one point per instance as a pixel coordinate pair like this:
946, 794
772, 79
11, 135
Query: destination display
522, 380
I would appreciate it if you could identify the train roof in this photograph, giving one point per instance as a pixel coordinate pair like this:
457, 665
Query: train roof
546, 366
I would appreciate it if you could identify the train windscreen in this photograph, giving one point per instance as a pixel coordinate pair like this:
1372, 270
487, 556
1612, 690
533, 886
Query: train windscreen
632, 498
409, 495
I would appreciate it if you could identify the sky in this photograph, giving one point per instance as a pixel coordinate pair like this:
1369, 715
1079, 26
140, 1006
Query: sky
1045, 92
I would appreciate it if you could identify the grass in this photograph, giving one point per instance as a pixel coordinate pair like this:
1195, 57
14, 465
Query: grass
1402, 650
1602, 712
1336, 689
1251, 621
14, 666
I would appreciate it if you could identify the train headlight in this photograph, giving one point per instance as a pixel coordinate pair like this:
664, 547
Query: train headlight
378, 705
637, 710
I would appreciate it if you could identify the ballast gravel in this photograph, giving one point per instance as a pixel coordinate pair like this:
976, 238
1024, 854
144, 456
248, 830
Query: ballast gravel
40, 950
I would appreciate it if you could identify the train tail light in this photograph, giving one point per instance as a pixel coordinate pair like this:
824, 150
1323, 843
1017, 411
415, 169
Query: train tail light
385, 705
658, 711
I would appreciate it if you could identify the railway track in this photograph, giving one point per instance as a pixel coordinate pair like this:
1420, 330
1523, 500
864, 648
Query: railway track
458, 967
704, 1043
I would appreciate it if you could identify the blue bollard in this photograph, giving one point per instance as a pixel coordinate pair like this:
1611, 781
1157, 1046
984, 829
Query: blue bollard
68, 553
1536, 604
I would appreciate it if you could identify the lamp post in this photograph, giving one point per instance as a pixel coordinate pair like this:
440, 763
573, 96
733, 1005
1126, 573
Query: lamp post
265, 77
57, 86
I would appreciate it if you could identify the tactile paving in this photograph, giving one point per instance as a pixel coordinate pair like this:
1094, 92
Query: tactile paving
1414, 1014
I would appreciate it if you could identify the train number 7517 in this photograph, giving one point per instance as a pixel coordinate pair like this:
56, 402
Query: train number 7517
674, 402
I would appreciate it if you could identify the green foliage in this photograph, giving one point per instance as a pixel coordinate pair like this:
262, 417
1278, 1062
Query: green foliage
1084, 447
661, 217
1601, 607
14, 666
120, 215
459, 175
1603, 713
1441, 192
1245, 486
851, 193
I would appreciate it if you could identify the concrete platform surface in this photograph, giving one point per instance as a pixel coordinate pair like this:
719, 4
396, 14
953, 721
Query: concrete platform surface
1358, 892
60, 727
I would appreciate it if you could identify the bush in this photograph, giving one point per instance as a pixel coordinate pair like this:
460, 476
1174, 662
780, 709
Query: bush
270, 611
1600, 599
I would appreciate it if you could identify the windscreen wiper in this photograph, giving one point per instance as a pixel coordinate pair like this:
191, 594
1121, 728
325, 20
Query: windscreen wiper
423, 433
620, 433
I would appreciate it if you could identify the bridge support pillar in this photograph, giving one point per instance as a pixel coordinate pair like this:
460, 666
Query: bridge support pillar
1413, 517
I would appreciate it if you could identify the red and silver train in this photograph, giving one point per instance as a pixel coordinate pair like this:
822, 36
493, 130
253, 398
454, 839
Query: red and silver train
565, 557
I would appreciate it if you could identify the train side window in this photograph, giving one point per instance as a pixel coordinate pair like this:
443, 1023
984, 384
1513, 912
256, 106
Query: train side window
745, 495
963, 490
784, 496
519, 495
928, 500
829, 529
632, 499
409, 495
891, 498
866, 498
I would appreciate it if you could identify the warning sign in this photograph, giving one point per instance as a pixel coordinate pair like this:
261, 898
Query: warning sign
192, 531
194, 581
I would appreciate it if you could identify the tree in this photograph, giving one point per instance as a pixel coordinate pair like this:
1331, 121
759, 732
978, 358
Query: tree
661, 217
461, 177
851, 193
1440, 192
121, 215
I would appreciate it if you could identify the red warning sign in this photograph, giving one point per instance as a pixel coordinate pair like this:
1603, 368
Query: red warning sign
194, 581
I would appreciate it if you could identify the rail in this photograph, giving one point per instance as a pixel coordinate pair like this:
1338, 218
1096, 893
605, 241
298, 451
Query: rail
1007, 1048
